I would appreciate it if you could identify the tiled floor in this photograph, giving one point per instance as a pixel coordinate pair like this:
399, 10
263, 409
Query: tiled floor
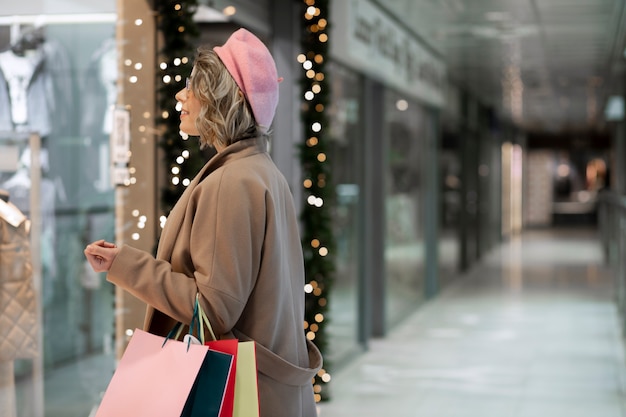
531, 331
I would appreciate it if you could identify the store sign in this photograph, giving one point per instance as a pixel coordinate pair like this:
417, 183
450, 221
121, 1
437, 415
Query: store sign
366, 39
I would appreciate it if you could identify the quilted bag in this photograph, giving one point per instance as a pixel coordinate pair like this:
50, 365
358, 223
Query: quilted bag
18, 314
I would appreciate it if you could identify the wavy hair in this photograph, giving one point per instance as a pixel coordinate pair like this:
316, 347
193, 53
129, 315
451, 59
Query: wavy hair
225, 115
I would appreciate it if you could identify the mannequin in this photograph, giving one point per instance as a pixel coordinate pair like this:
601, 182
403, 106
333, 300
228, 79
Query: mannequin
108, 77
18, 72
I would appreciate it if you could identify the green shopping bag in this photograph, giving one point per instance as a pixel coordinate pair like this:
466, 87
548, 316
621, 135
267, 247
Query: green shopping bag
206, 397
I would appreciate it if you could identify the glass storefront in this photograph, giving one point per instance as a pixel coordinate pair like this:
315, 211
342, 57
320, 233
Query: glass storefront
404, 127
345, 155
58, 71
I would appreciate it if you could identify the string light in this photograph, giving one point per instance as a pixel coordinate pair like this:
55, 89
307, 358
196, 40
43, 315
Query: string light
317, 242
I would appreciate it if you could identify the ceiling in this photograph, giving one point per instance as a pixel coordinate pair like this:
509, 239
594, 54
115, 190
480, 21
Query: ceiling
547, 65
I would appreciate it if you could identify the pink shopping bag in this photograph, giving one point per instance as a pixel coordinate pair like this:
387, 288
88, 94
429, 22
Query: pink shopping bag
152, 379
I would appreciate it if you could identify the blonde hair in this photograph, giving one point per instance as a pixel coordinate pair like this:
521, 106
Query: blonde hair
225, 115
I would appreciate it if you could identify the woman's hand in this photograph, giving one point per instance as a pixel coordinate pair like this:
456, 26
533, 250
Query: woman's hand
100, 255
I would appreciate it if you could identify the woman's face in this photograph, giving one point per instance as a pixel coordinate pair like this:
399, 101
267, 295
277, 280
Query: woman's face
190, 108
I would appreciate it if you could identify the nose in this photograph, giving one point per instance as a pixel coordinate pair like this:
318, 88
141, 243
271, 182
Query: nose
181, 95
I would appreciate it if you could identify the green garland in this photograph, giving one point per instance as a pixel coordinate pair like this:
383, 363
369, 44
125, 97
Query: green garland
317, 238
178, 34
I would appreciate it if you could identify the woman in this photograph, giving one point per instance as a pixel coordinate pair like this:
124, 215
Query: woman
233, 235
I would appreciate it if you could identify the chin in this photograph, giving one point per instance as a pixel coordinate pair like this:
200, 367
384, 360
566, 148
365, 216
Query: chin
190, 131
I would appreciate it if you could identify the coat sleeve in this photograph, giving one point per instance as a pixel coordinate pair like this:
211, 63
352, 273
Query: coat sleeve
226, 215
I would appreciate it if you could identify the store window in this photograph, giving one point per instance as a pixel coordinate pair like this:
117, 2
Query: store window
404, 240
58, 73
344, 155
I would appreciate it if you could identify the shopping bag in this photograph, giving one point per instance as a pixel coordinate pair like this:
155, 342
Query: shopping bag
242, 388
155, 377
246, 401
228, 346
206, 398
242, 391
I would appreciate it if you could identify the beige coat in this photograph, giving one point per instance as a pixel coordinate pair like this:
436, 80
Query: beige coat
233, 236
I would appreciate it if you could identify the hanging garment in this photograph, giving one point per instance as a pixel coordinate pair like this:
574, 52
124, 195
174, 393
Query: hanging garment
49, 96
18, 314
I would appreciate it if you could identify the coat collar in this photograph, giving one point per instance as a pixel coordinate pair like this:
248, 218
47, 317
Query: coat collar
238, 150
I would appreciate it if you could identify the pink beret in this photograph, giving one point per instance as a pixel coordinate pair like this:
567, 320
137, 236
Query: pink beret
252, 67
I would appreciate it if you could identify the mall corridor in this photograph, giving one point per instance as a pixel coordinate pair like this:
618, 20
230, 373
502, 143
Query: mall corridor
530, 331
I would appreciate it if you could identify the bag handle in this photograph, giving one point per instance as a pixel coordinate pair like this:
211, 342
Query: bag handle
202, 320
199, 320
